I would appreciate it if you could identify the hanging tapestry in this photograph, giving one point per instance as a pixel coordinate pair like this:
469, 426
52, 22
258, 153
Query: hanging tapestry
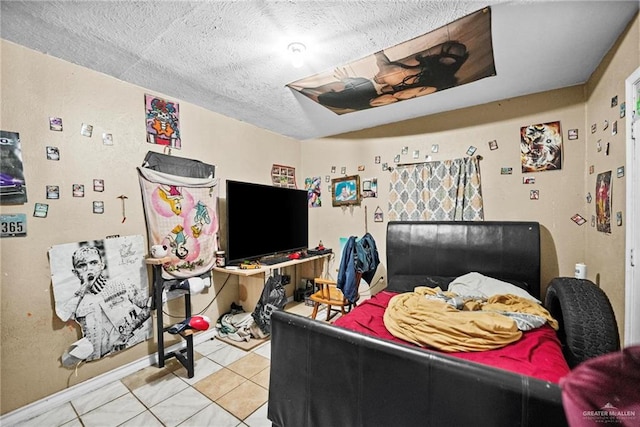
163, 121
181, 214
102, 285
458, 53
436, 191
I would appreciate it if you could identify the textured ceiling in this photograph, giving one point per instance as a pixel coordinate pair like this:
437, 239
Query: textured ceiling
230, 56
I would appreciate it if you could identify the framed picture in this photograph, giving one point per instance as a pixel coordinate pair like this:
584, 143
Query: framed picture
345, 191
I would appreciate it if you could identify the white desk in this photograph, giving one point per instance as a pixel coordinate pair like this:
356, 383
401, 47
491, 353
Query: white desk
251, 281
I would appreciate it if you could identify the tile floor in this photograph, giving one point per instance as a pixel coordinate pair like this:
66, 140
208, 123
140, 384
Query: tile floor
230, 388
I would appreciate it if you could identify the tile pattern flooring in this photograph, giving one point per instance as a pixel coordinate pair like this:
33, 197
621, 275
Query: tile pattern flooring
230, 388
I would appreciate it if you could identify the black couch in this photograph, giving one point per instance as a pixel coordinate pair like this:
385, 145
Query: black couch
323, 375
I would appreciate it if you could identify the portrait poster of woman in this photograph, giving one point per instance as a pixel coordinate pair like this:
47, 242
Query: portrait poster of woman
603, 202
458, 53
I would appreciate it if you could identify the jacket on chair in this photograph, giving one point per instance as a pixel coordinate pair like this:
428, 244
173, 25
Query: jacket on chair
357, 256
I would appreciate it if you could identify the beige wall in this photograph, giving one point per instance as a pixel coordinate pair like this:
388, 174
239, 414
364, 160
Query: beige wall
562, 193
35, 87
605, 253
505, 197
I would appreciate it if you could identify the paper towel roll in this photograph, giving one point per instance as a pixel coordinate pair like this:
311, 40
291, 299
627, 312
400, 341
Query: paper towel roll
581, 271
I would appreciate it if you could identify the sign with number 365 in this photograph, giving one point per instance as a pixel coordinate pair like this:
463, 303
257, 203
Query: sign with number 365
13, 225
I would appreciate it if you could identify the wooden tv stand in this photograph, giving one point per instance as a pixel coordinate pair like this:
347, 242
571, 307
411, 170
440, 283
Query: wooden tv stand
251, 281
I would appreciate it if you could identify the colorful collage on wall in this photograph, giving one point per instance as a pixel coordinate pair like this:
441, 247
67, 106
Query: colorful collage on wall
283, 176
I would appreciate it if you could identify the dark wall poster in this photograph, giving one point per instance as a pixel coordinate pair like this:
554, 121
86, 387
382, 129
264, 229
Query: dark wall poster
13, 190
458, 53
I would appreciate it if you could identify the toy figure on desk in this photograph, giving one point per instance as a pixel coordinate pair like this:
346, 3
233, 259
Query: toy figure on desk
159, 251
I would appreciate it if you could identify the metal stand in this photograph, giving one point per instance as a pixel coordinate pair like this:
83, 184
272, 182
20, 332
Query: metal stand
185, 355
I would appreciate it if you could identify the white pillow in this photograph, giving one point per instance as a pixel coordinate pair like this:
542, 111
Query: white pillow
477, 285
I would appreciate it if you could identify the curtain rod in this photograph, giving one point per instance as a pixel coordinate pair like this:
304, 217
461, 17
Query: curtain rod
390, 168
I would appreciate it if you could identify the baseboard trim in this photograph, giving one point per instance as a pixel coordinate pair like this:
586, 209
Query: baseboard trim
53, 401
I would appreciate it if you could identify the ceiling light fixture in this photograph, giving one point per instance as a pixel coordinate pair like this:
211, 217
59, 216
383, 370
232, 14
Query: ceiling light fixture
296, 54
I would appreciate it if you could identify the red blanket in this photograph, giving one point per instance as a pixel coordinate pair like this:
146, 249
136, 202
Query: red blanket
537, 354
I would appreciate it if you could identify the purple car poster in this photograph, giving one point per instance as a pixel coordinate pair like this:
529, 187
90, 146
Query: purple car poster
13, 190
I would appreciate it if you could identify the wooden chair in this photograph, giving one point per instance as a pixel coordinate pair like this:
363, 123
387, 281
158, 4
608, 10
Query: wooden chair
328, 294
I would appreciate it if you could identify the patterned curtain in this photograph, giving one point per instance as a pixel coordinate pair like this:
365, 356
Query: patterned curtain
436, 191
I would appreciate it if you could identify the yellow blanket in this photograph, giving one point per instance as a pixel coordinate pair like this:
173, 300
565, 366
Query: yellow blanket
424, 321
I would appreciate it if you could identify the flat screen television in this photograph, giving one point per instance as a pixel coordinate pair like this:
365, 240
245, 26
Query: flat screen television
264, 220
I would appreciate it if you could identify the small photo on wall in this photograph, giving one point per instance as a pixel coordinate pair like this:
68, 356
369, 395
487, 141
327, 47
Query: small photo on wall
578, 219
86, 130
541, 147
55, 124
53, 192
107, 139
98, 207
53, 153
40, 210
78, 190
98, 185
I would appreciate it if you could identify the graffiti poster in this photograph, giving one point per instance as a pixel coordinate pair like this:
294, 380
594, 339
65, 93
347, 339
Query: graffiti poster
163, 122
103, 286
541, 147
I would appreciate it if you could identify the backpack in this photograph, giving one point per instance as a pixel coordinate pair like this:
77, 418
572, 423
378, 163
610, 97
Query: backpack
273, 298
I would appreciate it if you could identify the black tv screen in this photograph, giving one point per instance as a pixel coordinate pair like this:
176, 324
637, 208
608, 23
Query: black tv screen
264, 220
